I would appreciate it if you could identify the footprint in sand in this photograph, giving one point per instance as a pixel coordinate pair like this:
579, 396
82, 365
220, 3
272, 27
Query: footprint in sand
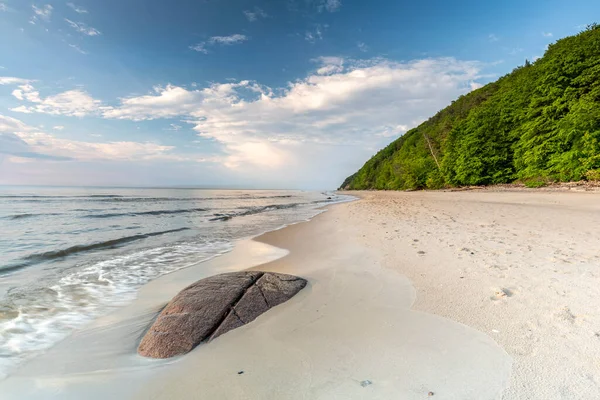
501, 293
567, 315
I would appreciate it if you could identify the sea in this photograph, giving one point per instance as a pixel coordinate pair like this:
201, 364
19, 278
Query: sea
71, 255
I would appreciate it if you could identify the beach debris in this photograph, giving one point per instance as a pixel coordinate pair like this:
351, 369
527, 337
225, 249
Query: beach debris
240, 372
420, 252
430, 394
213, 306
365, 383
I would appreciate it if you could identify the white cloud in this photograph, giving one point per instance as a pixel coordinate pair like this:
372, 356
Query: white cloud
77, 9
41, 13
76, 103
174, 127
316, 34
362, 47
330, 69
3, 7
327, 60
493, 38
18, 94
330, 65
83, 28
58, 128
35, 143
547, 34
12, 125
79, 150
78, 49
329, 5
199, 47
171, 101
355, 104
255, 14
337, 117
22, 109
219, 40
228, 40
10, 80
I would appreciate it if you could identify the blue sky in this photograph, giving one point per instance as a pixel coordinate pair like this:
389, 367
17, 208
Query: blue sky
273, 94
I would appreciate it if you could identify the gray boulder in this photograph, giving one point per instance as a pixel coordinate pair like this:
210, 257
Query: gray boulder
213, 306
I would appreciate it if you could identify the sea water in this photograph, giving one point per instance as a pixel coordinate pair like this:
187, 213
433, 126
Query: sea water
70, 255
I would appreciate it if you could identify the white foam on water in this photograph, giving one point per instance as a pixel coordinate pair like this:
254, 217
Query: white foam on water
40, 318
33, 319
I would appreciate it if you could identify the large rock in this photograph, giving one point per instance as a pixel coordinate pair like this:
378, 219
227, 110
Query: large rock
214, 306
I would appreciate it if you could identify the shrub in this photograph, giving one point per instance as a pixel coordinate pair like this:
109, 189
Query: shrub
593, 175
535, 182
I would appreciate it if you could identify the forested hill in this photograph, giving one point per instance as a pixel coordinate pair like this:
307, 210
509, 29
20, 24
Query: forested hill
538, 124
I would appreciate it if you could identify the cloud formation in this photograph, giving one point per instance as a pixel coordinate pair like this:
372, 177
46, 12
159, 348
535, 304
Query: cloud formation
219, 40
362, 47
329, 5
228, 40
329, 65
83, 28
41, 13
11, 80
12, 145
78, 49
77, 9
315, 34
75, 103
346, 103
22, 140
342, 112
255, 14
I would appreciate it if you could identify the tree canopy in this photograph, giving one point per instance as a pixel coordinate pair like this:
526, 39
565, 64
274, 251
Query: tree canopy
539, 123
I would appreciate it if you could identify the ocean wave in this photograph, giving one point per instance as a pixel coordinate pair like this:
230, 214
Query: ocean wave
35, 196
62, 253
253, 210
140, 213
164, 199
34, 318
28, 215
132, 199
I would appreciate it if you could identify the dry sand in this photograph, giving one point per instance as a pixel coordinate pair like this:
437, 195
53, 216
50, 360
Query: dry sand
468, 295
522, 266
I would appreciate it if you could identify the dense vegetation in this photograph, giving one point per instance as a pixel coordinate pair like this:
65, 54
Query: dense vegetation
538, 124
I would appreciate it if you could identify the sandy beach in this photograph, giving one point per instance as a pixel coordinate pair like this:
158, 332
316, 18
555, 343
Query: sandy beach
449, 295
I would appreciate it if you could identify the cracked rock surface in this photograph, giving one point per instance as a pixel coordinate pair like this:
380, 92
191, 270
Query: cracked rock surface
213, 306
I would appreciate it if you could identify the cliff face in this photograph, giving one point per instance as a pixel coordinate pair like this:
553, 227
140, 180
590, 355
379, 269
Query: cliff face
537, 124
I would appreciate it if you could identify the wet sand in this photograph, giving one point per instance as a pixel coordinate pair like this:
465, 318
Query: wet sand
469, 295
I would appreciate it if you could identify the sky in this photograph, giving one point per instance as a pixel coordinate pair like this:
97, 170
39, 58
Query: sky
244, 93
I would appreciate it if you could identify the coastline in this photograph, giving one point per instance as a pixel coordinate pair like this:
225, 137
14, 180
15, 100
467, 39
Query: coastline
350, 334
468, 295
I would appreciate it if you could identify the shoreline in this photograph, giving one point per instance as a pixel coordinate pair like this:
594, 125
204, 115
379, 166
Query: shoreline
351, 333
127, 324
408, 293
